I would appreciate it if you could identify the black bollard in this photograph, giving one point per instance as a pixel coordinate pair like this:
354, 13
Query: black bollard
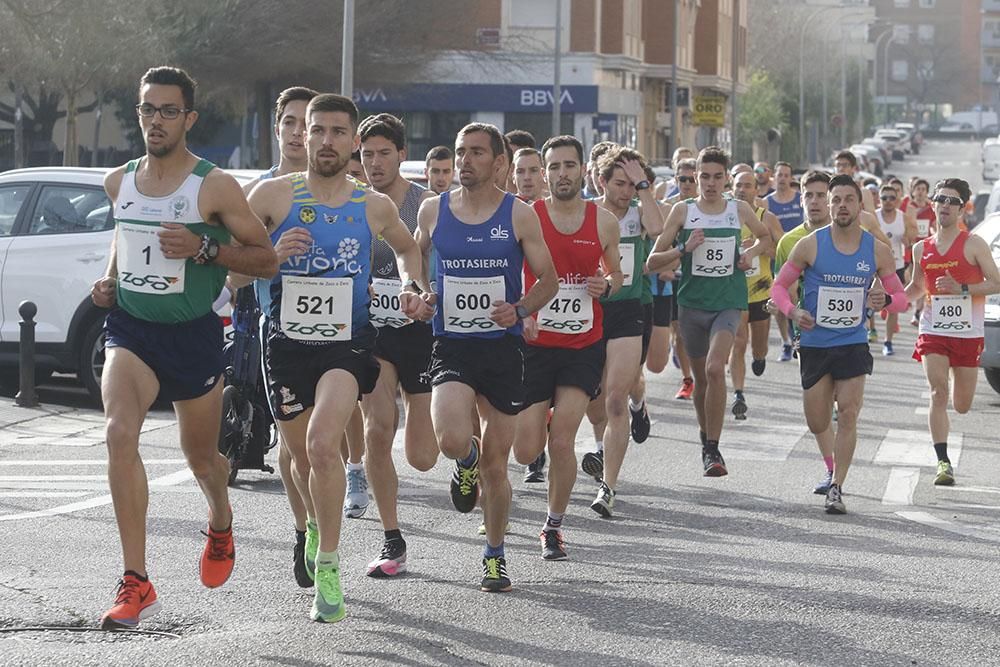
26, 395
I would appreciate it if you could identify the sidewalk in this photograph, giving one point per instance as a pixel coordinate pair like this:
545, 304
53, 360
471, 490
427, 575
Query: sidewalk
52, 424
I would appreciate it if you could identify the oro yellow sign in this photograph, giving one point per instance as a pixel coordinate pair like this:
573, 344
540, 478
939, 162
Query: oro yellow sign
709, 111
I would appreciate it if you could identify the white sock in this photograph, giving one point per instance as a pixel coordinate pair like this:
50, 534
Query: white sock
635, 407
599, 444
356, 466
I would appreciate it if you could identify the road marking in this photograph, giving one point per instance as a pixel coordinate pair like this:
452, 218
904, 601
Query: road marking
761, 440
166, 480
52, 478
84, 462
899, 489
928, 519
970, 489
922, 410
902, 447
42, 494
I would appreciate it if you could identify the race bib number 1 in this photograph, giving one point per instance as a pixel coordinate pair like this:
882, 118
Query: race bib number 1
714, 257
951, 313
385, 308
469, 301
316, 309
571, 312
141, 265
840, 307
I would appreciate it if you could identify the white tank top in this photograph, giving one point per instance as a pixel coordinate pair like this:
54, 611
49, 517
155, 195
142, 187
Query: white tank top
896, 231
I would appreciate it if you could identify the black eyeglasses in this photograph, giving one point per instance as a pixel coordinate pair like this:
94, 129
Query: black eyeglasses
685, 179
166, 113
888, 197
946, 199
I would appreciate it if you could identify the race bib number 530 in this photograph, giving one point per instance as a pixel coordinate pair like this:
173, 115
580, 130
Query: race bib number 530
840, 307
141, 265
469, 301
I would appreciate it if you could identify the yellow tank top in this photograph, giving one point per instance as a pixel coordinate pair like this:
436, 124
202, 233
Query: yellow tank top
759, 276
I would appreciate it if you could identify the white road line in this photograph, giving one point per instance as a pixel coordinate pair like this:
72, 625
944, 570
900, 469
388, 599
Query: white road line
43, 494
899, 489
970, 489
928, 519
52, 478
761, 440
902, 447
922, 410
83, 462
166, 480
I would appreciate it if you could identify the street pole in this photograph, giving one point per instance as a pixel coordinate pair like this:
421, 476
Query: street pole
878, 45
673, 143
843, 90
802, 94
862, 66
18, 127
557, 76
347, 59
735, 67
885, 76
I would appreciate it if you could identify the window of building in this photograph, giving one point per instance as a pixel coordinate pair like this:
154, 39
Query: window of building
925, 34
532, 14
901, 4
901, 34
900, 70
925, 70
927, 4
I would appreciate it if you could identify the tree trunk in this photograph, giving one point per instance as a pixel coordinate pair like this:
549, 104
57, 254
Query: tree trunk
71, 157
94, 162
18, 128
263, 102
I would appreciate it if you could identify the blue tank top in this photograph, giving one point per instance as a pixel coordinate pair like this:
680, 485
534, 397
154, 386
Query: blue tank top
262, 286
475, 265
836, 292
790, 214
342, 248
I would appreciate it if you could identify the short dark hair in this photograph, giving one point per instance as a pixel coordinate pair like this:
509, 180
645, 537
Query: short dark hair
886, 186
814, 176
847, 155
521, 138
919, 181
562, 141
510, 151
332, 102
782, 163
957, 184
498, 143
714, 155
687, 163
599, 149
384, 125
608, 162
439, 153
521, 152
356, 155
844, 179
288, 95
171, 76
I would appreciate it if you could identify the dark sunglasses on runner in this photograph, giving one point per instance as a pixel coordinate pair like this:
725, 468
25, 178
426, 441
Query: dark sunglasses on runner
685, 179
946, 199
888, 197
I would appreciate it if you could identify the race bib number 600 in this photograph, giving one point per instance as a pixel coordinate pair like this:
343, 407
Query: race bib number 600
839, 307
316, 309
469, 301
141, 265
714, 257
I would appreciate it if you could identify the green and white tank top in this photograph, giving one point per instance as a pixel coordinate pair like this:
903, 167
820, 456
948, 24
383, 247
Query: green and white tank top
709, 279
632, 248
153, 287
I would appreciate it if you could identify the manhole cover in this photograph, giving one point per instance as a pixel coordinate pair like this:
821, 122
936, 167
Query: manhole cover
81, 635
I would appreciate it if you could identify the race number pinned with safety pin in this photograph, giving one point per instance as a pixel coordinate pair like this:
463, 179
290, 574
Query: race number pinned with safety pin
570, 312
141, 265
385, 308
951, 313
468, 303
839, 307
714, 257
316, 309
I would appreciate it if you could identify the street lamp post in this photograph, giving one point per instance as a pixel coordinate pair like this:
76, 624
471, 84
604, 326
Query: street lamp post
878, 44
885, 76
557, 76
672, 144
347, 58
802, 94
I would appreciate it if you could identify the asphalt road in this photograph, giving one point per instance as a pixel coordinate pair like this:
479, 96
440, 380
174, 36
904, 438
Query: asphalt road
741, 570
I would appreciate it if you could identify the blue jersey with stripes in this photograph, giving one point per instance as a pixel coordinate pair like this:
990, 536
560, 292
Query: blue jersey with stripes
475, 265
342, 248
835, 292
788, 214
262, 286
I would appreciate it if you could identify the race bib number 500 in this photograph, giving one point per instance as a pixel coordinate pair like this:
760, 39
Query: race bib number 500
385, 308
141, 265
469, 301
316, 309
840, 307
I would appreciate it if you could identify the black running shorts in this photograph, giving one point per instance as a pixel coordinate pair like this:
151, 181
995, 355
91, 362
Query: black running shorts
493, 367
546, 368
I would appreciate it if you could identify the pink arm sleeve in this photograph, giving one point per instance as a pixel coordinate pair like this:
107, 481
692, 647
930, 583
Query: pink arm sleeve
779, 291
894, 288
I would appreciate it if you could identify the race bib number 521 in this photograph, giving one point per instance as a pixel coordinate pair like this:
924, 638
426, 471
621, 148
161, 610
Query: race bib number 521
316, 309
469, 301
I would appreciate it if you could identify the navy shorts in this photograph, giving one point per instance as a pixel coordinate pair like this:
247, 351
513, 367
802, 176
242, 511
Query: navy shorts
409, 350
186, 357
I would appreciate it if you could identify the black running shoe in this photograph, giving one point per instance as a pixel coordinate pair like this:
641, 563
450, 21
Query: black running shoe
740, 407
495, 579
465, 484
758, 366
715, 465
640, 424
553, 547
302, 577
604, 503
593, 464
535, 473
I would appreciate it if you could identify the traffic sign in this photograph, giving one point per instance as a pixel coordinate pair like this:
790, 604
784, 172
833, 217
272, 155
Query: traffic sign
709, 111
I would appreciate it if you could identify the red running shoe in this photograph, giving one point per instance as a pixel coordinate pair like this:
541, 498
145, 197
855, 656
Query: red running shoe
218, 557
135, 600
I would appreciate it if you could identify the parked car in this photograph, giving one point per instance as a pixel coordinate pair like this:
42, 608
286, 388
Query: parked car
979, 201
56, 229
873, 156
989, 231
894, 139
991, 161
916, 137
882, 147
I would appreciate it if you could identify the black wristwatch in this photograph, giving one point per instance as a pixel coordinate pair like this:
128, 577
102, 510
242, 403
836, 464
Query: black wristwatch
412, 286
521, 311
642, 185
209, 250
607, 290
965, 288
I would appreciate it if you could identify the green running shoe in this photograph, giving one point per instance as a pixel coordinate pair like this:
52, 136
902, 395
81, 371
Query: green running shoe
328, 603
945, 474
312, 545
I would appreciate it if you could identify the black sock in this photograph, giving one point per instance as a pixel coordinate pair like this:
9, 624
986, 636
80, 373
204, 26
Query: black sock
703, 437
711, 445
300, 536
137, 575
394, 534
941, 448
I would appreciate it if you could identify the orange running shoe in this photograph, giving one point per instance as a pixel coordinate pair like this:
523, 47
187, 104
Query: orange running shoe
218, 557
136, 600
687, 388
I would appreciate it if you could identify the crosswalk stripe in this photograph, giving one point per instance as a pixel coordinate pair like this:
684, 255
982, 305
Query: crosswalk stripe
761, 441
902, 447
82, 462
899, 489
42, 494
928, 519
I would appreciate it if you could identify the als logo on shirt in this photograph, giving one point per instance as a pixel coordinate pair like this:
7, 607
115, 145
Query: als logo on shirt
498, 233
307, 215
863, 267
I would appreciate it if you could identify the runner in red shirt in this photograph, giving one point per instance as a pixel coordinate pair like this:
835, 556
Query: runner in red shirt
919, 207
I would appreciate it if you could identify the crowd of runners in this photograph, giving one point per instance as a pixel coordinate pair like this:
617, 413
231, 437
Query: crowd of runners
499, 312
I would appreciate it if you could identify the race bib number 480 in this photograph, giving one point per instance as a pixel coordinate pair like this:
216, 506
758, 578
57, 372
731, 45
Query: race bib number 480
951, 313
385, 308
316, 309
141, 265
571, 312
469, 301
840, 307
714, 257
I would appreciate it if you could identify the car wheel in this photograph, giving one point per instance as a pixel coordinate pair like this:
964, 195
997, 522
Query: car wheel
993, 377
90, 359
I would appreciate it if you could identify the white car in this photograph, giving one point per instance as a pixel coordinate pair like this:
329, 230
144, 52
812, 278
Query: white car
894, 139
56, 230
989, 231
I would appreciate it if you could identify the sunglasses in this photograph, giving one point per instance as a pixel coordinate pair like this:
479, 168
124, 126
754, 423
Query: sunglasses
888, 197
760, 170
685, 179
945, 199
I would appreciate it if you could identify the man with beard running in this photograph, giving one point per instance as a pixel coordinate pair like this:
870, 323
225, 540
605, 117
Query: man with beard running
564, 359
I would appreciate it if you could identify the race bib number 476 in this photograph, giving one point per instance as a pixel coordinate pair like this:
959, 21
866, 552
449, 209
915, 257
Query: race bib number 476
141, 265
571, 312
469, 301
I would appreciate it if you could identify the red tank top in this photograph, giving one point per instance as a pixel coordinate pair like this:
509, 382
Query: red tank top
572, 319
935, 265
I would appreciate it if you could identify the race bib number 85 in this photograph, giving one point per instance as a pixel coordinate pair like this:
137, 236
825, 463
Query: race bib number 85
469, 301
141, 265
714, 257
316, 309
